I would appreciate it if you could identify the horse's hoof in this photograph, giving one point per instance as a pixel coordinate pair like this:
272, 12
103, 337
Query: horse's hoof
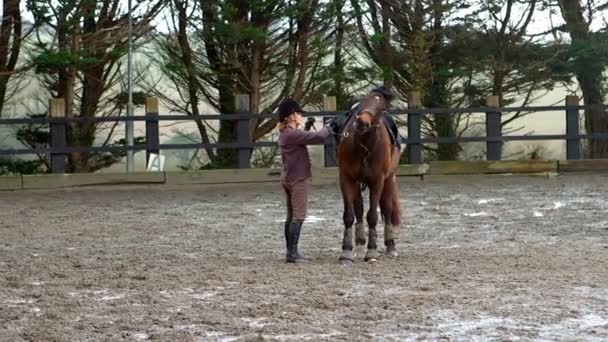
391, 253
371, 260
346, 262
347, 255
359, 252
295, 260
371, 255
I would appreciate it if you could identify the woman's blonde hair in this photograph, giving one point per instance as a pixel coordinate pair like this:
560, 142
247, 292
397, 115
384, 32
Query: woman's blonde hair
282, 124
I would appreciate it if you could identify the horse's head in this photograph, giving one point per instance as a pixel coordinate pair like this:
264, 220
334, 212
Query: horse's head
370, 112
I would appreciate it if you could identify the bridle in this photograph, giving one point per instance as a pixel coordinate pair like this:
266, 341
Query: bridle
370, 129
371, 119
367, 113
373, 126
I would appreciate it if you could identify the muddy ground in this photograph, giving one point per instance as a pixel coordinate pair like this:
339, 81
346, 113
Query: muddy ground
481, 258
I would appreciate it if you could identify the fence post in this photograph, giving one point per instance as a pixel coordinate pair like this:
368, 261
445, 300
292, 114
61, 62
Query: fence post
152, 130
573, 140
414, 148
243, 135
58, 135
329, 105
493, 130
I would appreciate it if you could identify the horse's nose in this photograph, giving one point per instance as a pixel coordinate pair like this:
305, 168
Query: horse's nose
361, 122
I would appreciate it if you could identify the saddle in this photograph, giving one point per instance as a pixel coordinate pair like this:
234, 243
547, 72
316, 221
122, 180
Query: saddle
391, 127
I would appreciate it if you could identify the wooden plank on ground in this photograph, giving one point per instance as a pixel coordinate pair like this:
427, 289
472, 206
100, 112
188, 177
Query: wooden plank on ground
583, 165
402, 170
222, 176
328, 173
49, 181
484, 167
412, 170
10, 183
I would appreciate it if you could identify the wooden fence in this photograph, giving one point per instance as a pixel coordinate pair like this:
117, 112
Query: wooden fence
58, 123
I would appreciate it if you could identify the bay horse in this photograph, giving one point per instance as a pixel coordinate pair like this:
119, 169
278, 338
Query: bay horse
366, 157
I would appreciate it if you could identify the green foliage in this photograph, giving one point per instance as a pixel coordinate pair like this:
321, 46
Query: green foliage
233, 33
117, 52
377, 39
584, 57
141, 140
34, 135
40, 10
139, 98
51, 61
14, 166
100, 160
459, 56
38, 136
265, 157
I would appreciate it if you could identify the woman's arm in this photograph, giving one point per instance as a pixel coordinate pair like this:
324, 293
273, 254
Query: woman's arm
300, 137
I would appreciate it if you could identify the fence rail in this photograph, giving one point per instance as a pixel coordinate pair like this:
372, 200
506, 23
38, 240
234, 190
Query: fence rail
58, 124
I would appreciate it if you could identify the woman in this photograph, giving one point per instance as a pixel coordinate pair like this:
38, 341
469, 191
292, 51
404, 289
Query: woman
296, 170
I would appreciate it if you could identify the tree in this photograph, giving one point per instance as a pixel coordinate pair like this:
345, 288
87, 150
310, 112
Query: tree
456, 53
268, 49
35, 136
81, 61
11, 36
350, 71
408, 41
421, 45
503, 58
587, 58
374, 27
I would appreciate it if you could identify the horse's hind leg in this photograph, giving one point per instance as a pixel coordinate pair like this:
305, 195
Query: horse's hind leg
389, 206
360, 238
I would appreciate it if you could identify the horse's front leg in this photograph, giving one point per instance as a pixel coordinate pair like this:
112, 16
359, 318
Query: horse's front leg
375, 190
348, 194
360, 237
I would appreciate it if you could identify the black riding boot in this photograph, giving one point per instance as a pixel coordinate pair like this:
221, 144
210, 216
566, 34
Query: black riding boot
297, 235
287, 223
292, 236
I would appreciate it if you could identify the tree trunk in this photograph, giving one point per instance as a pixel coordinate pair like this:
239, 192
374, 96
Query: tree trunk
596, 120
443, 125
339, 73
227, 157
193, 84
588, 77
387, 50
65, 90
10, 27
219, 61
303, 35
92, 90
438, 95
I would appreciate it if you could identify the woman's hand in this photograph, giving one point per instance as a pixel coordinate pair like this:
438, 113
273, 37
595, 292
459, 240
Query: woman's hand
309, 122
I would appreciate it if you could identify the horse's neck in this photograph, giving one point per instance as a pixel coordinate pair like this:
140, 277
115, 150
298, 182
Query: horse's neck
365, 144
368, 142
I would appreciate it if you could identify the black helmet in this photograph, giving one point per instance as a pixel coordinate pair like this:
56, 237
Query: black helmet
288, 107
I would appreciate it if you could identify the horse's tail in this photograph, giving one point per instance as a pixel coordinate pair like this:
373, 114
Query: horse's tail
396, 213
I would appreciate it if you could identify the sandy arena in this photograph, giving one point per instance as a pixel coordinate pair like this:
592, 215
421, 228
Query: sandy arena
491, 258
